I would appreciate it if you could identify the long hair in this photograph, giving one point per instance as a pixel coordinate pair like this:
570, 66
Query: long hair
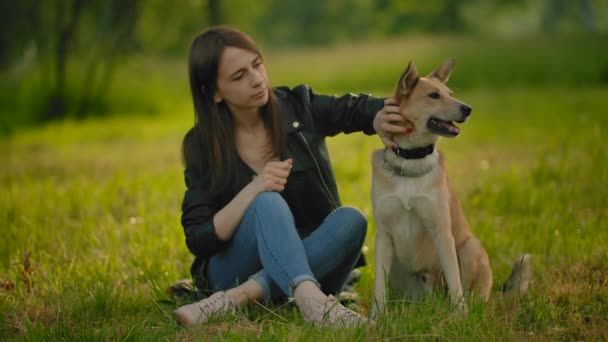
212, 137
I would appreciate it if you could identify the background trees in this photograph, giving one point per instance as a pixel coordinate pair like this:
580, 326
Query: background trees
68, 43
68, 50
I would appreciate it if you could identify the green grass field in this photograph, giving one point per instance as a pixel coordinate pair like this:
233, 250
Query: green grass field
89, 210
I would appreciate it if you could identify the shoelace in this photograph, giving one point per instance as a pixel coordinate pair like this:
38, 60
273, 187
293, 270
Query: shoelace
211, 307
340, 312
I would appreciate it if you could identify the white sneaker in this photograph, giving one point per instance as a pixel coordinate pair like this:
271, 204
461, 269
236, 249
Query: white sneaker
332, 313
200, 312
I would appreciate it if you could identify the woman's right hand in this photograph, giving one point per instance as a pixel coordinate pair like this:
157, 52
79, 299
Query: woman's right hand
273, 176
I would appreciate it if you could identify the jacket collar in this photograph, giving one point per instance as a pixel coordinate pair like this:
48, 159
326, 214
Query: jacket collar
291, 122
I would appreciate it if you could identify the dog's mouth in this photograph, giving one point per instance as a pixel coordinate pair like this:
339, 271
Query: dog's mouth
444, 128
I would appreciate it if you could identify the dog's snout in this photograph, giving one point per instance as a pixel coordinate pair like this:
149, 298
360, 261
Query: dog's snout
466, 110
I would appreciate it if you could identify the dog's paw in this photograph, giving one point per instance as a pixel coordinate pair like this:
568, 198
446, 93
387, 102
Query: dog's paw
375, 313
461, 306
521, 275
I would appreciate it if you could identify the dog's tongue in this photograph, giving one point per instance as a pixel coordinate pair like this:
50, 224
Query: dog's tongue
453, 128
449, 126
445, 128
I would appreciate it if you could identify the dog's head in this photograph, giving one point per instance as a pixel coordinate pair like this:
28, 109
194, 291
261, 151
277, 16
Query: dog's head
428, 104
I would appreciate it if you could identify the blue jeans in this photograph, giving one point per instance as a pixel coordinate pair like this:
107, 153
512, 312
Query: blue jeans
267, 248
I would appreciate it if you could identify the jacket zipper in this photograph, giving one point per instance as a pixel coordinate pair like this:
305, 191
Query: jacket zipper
318, 170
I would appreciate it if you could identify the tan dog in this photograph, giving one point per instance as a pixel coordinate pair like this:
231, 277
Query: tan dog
423, 240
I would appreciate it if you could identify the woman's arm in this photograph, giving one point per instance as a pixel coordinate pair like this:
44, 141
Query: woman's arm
352, 113
343, 114
208, 229
198, 209
272, 178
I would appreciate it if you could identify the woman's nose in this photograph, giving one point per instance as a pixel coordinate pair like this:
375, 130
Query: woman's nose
256, 78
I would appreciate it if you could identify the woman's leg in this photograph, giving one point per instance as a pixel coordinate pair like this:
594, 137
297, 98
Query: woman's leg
331, 250
266, 239
334, 248
285, 262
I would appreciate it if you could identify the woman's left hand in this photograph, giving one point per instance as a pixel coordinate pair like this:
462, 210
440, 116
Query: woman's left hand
389, 121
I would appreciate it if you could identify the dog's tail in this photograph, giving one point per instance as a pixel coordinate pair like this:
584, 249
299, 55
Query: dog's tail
519, 281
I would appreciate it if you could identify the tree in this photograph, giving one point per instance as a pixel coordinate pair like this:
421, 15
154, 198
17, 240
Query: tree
587, 17
215, 12
65, 25
556, 11
67, 35
115, 29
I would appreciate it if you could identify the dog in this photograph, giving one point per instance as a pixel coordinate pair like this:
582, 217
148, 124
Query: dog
423, 240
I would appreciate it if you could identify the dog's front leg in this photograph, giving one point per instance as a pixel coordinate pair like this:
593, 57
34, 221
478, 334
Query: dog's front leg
384, 258
444, 242
437, 220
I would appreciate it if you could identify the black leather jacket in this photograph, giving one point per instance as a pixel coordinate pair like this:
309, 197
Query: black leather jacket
311, 191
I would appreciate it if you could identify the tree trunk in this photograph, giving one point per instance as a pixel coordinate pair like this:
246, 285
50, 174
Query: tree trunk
587, 17
550, 15
451, 18
57, 102
215, 12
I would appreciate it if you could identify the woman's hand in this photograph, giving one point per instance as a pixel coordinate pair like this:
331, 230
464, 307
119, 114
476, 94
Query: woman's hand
273, 176
389, 121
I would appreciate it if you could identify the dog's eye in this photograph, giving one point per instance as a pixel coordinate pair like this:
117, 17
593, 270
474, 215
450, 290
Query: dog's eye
434, 95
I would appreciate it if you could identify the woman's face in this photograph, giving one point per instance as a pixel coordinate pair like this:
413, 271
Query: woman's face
242, 81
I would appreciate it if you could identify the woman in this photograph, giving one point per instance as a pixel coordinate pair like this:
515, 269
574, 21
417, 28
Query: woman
261, 212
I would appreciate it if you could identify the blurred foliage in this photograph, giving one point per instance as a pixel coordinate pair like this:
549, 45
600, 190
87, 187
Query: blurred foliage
48, 38
58, 58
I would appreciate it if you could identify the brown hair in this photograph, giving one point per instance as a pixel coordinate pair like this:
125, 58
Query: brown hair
213, 148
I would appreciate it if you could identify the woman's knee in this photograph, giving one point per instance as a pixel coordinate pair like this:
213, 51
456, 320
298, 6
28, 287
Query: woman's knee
354, 222
262, 204
268, 211
268, 200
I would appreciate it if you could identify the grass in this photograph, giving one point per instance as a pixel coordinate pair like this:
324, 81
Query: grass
89, 210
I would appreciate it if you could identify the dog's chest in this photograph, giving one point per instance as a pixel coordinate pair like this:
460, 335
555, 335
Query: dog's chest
398, 213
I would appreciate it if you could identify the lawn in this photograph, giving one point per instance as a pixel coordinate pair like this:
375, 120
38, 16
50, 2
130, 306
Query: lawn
89, 210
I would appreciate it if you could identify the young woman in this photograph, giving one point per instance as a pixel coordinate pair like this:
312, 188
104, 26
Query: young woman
261, 212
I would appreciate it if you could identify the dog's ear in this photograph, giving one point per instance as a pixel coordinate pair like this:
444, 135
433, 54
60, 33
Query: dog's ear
444, 71
407, 81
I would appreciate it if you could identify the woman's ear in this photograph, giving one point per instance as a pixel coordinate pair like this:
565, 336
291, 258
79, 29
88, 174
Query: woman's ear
217, 98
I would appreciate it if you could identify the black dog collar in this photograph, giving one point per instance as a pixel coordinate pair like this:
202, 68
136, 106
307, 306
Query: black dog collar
414, 153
